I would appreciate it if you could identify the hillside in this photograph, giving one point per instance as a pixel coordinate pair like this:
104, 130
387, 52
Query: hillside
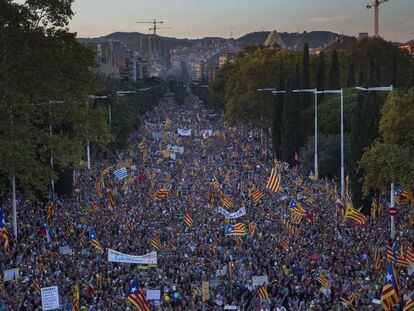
140, 42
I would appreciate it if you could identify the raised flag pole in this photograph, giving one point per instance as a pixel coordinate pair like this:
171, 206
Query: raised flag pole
392, 215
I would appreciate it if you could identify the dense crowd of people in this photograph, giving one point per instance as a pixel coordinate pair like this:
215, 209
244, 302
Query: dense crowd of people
218, 163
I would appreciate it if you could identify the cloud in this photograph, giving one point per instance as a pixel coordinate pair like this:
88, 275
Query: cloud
328, 19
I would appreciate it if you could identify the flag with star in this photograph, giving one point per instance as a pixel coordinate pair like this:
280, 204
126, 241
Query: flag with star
389, 294
136, 297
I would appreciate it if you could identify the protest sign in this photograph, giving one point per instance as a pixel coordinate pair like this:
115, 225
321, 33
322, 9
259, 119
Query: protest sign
50, 298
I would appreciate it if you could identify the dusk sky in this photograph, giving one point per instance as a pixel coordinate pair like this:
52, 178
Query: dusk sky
197, 18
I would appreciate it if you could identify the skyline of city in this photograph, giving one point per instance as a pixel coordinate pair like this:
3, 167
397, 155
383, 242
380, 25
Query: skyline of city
238, 17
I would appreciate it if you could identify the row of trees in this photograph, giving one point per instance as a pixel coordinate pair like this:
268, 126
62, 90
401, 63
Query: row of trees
45, 81
370, 62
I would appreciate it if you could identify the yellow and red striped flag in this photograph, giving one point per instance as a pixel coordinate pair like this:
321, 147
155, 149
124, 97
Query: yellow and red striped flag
155, 243
50, 210
274, 182
323, 281
76, 298
188, 220
263, 295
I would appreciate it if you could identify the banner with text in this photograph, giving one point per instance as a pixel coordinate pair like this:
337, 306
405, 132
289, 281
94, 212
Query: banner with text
148, 259
241, 212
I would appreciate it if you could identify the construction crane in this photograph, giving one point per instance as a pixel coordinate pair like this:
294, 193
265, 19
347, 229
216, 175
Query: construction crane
376, 5
154, 27
153, 40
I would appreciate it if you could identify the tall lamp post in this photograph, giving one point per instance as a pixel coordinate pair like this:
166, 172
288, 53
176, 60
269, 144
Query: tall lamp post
392, 201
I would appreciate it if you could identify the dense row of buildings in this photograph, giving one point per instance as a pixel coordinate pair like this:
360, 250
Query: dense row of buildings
114, 59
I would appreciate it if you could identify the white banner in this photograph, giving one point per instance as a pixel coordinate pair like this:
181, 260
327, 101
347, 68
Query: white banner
148, 259
183, 132
241, 212
10, 275
50, 298
176, 149
207, 133
259, 280
153, 294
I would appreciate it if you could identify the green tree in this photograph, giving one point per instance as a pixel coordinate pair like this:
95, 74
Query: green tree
305, 67
389, 159
394, 69
320, 79
334, 72
350, 81
45, 82
277, 124
218, 85
292, 124
361, 76
393, 61
411, 83
329, 150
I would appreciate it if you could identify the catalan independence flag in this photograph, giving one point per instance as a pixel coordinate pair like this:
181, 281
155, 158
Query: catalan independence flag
215, 182
252, 228
389, 294
36, 286
321, 279
76, 298
50, 210
161, 194
130, 226
155, 243
136, 296
112, 199
237, 229
4, 235
274, 182
227, 202
409, 306
392, 255
255, 193
409, 255
94, 242
263, 295
188, 220
352, 213
298, 180
93, 206
377, 261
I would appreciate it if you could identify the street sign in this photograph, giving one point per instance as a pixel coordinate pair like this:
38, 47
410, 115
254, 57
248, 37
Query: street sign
392, 211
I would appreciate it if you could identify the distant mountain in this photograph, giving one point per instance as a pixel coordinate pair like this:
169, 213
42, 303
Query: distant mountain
140, 42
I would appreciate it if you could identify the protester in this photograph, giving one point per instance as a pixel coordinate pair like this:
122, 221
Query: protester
323, 244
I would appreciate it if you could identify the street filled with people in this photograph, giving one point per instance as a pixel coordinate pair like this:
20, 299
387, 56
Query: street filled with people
216, 207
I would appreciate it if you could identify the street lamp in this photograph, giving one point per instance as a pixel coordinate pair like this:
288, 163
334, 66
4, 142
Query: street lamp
392, 201
314, 91
341, 92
